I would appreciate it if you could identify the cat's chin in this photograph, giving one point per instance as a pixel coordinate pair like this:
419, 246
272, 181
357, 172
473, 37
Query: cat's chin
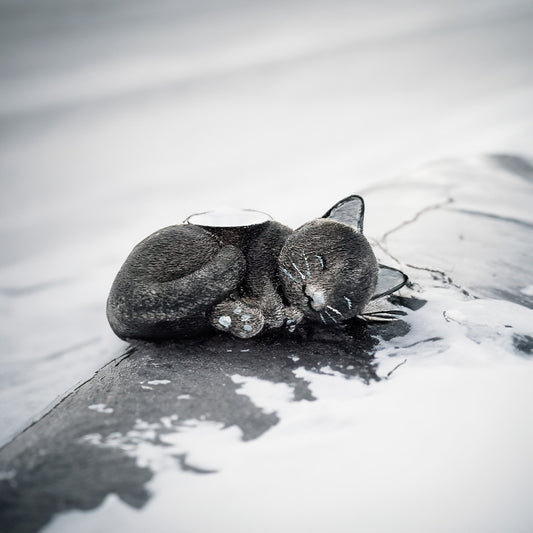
312, 315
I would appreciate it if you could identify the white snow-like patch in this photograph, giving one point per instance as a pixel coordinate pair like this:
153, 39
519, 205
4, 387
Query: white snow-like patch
101, 408
192, 437
528, 291
184, 397
159, 382
264, 394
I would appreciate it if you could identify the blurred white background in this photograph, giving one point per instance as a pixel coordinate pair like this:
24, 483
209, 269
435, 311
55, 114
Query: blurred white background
118, 118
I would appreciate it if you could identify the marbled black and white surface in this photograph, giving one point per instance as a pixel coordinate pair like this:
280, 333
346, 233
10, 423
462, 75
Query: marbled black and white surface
119, 119
418, 424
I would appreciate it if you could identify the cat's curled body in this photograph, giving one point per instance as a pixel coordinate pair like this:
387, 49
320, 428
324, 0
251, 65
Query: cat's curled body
185, 280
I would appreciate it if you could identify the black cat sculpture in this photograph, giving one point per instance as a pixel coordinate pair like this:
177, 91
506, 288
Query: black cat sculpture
248, 276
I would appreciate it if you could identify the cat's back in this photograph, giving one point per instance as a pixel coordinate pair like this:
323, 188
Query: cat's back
171, 252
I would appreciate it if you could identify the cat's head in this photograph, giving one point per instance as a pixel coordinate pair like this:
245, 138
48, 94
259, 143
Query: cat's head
327, 267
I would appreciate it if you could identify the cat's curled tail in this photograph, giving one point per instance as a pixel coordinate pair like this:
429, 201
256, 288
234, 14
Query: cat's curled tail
169, 282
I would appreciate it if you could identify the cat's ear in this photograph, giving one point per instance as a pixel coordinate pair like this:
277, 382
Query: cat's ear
350, 211
389, 280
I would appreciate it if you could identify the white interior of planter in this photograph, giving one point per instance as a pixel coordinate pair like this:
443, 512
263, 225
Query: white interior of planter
228, 217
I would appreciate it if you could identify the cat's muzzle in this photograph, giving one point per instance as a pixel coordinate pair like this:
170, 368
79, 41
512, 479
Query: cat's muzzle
316, 297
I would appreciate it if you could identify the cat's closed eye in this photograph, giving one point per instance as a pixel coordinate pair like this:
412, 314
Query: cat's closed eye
327, 270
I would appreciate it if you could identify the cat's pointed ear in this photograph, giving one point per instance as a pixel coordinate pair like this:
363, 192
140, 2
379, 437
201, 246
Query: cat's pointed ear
389, 280
350, 211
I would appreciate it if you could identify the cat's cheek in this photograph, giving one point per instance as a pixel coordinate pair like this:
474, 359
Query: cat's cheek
292, 293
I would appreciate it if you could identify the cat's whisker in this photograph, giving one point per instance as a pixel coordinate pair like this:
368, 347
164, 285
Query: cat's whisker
331, 317
322, 317
335, 311
321, 261
307, 265
298, 270
289, 275
348, 301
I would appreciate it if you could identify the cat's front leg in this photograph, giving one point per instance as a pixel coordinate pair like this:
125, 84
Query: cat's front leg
277, 314
245, 318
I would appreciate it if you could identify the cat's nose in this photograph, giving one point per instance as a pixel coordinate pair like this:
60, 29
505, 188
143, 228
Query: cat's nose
316, 297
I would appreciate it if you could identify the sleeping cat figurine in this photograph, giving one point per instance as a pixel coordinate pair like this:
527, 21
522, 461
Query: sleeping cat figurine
247, 277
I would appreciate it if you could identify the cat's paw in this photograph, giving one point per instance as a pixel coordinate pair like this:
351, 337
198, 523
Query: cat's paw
239, 319
293, 317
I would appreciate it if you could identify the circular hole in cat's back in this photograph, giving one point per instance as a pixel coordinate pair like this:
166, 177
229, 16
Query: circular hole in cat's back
228, 217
